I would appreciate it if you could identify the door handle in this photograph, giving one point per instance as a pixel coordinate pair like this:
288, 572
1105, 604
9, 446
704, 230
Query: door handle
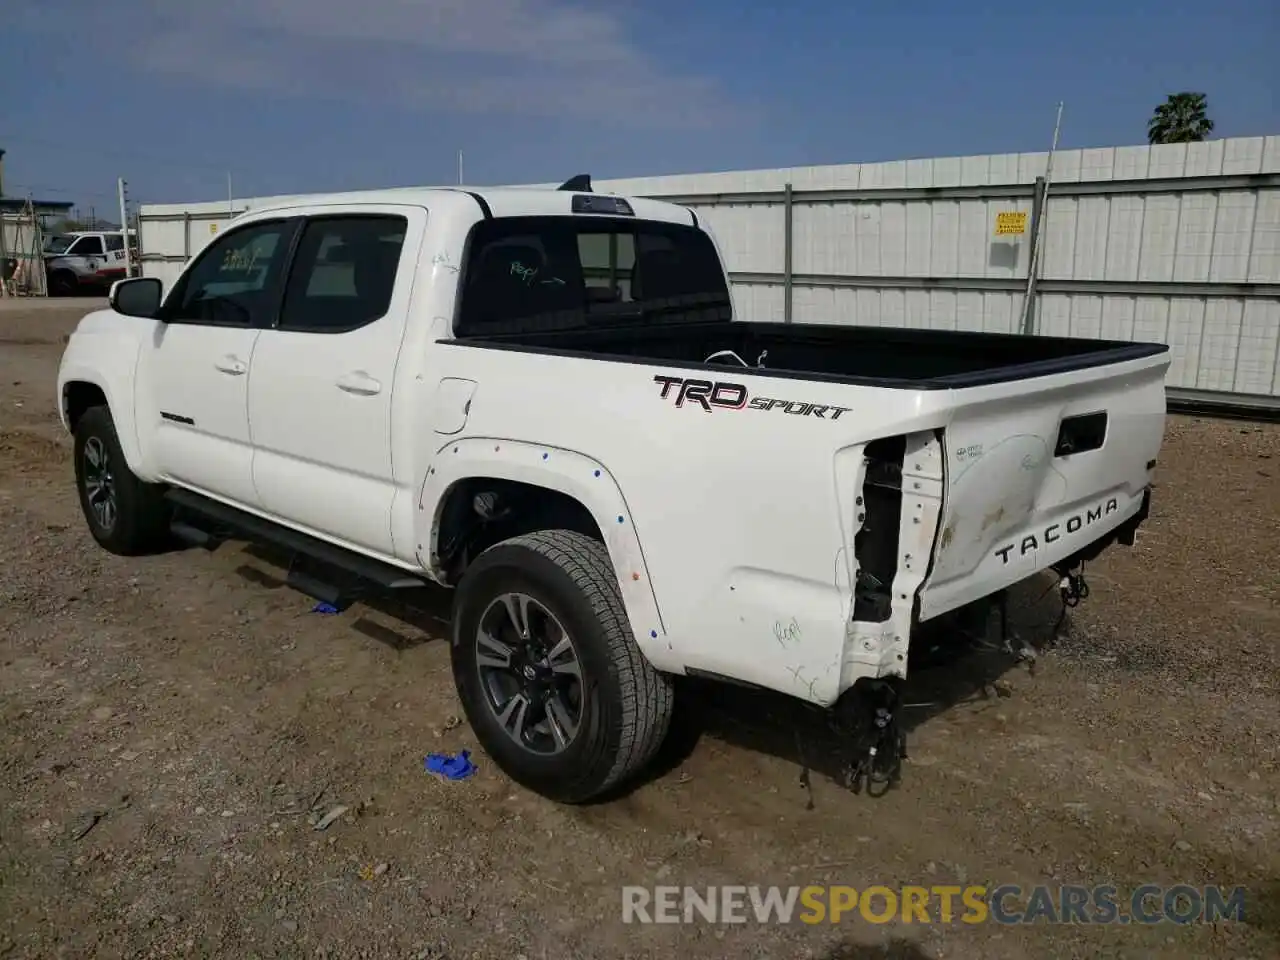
359, 383
232, 365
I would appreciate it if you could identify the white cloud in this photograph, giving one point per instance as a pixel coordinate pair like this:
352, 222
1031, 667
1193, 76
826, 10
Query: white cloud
515, 57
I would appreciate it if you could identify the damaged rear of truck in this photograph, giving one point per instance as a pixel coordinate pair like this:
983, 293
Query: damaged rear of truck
797, 527
785, 505
1019, 478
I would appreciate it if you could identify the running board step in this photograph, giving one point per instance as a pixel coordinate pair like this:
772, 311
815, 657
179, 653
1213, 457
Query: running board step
318, 589
192, 535
256, 528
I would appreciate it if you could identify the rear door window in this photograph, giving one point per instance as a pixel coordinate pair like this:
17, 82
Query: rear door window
548, 273
343, 274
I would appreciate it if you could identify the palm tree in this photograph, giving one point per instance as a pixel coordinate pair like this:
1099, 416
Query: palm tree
1183, 118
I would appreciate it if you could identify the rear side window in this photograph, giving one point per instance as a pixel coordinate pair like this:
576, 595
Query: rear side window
548, 273
343, 274
115, 242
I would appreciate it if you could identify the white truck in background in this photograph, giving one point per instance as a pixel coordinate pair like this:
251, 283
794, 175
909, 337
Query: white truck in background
541, 399
85, 261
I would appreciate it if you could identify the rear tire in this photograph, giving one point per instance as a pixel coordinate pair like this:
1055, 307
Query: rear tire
600, 687
125, 515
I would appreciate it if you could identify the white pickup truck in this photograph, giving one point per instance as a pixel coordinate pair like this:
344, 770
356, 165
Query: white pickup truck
84, 261
541, 398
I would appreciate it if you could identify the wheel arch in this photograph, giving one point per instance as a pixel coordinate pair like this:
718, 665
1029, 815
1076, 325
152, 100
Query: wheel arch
77, 397
81, 390
555, 489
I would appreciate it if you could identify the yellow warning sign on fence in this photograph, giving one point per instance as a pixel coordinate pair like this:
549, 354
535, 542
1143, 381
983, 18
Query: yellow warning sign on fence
1011, 222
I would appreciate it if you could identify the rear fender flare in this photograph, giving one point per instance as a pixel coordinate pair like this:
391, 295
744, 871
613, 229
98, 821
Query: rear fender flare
584, 479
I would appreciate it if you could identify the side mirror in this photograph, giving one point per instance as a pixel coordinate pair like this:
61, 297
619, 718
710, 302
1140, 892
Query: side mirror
136, 297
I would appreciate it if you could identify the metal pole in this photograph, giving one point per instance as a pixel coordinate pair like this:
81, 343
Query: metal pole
231, 207
461, 181
5, 277
1038, 237
124, 225
1037, 211
787, 210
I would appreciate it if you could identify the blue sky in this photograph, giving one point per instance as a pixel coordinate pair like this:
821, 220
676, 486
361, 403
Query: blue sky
307, 95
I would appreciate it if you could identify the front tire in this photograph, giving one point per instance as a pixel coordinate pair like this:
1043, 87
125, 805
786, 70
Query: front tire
63, 283
125, 515
548, 671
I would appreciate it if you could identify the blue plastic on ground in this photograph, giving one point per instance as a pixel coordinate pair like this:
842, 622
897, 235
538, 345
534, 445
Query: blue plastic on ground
451, 768
323, 607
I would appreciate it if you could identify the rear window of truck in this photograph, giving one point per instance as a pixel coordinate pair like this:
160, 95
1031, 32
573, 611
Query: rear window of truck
551, 273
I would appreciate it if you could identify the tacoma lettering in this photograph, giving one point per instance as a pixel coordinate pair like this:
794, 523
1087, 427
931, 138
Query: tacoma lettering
724, 395
1053, 533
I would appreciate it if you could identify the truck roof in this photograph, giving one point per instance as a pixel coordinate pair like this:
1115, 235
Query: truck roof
495, 201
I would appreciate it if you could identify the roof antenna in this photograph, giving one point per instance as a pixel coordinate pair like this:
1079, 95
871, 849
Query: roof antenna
581, 183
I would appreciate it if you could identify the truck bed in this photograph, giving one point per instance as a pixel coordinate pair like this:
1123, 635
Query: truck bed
1041, 448
879, 356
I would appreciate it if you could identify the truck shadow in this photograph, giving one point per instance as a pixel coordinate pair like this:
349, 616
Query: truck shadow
957, 660
950, 664
400, 621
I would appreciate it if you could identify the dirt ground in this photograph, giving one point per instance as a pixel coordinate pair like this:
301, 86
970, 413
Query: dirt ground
171, 728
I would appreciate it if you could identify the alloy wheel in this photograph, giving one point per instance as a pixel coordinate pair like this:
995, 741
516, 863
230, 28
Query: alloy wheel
530, 673
100, 484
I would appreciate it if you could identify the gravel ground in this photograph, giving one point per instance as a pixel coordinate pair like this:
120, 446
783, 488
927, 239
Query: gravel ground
171, 727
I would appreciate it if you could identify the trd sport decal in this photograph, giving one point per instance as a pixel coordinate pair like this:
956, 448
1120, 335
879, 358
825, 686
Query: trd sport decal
724, 395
